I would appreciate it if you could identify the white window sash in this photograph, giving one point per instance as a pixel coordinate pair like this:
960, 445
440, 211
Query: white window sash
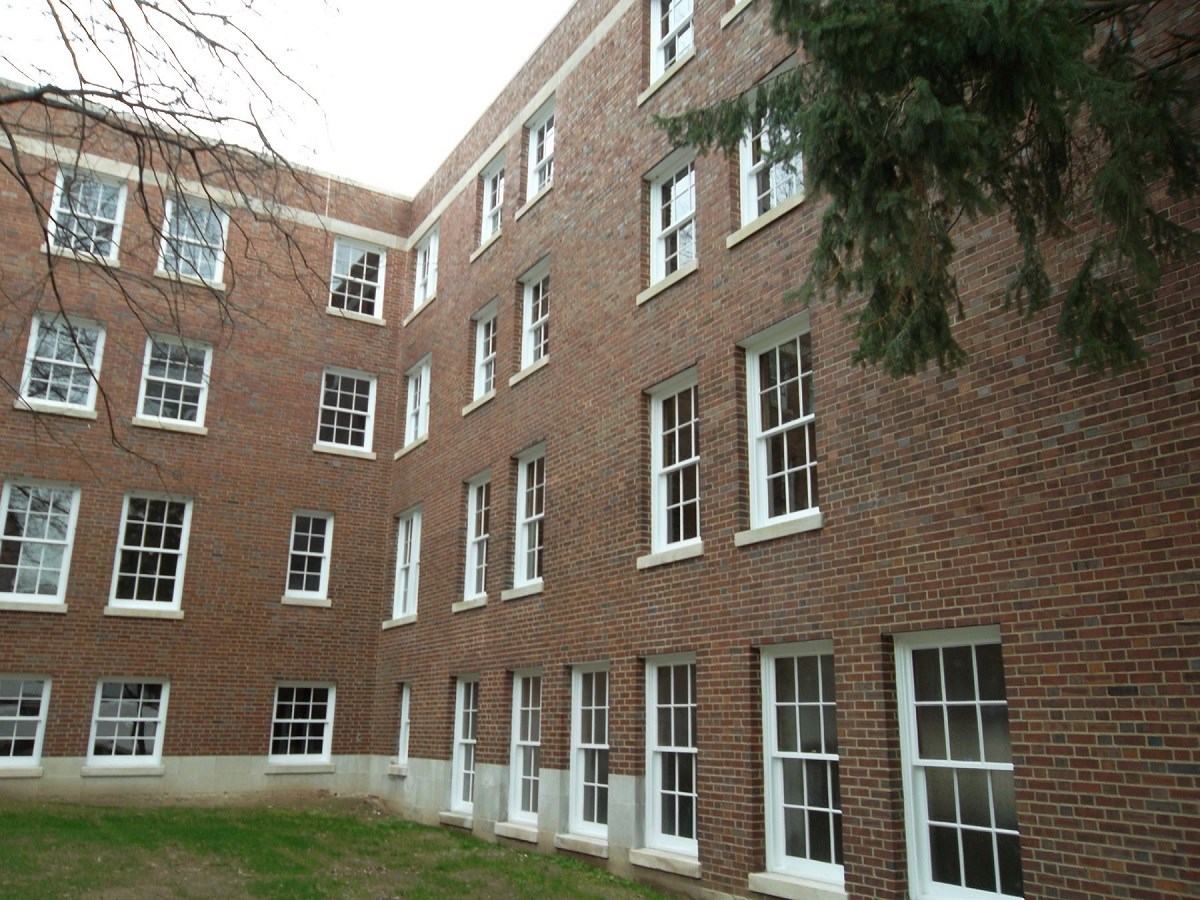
529, 524
74, 328
325, 754
466, 712
526, 746
26, 687
325, 557
139, 549
403, 729
103, 712
64, 213
156, 342
478, 536
582, 751
25, 559
660, 473
408, 565
655, 760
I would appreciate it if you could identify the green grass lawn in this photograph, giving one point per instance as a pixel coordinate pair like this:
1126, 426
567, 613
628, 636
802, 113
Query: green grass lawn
56, 850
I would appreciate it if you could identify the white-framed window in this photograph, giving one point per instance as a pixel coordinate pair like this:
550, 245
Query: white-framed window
782, 424
308, 559
347, 414
466, 712
86, 213
193, 240
588, 806
526, 757
408, 565
175, 377
62, 363
479, 527
531, 511
800, 758
672, 216
671, 755
302, 724
151, 552
127, 723
765, 184
493, 199
675, 463
403, 725
356, 285
425, 288
670, 33
416, 416
535, 314
36, 536
485, 350
541, 150
23, 705
960, 802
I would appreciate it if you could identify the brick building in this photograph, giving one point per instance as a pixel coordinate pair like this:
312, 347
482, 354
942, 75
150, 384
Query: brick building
532, 506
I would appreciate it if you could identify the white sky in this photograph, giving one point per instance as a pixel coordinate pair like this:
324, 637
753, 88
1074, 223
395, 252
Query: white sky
398, 82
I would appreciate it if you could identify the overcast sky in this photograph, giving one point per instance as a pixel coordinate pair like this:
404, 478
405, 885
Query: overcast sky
398, 82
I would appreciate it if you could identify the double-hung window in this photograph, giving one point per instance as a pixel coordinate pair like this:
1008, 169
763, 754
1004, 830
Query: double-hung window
36, 536
672, 216
151, 553
408, 565
479, 516
466, 712
526, 757
86, 214
766, 183
356, 285
956, 755
493, 200
425, 288
62, 365
193, 240
175, 376
347, 415
308, 559
670, 33
541, 150
671, 755
302, 726
800, 750
23, 706
127, 723
485, 351
531, 511
675, 464
535, 314
782, 427
588, 806
403, 724
416, 418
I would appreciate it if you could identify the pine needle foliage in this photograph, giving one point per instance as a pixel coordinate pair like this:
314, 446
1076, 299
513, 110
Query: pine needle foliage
916, 116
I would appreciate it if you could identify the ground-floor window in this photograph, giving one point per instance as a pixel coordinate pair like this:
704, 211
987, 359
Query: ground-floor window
589, 752
959, 789
526, 748
671, 755
127, 723
23, 705
302, 728
466, 712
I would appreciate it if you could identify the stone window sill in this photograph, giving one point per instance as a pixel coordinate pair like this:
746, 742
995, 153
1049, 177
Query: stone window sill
354, 316
457, 819
417, 310
469, 604
529, 370
300, 769
398, 622
81, 256
478, 402
32, 606
486, 245
397, 770
757, 225
670, 281
808, 521
54, 409
409, 448
525, 590
94, 771
180, 278
793, 887
532, 201
738, 8
168, 425
315, 602
665, 861
20, 772
137, 612
666, 76
670, 555
579, 843
335, 450
518, 831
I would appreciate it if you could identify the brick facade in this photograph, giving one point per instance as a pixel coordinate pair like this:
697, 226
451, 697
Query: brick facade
1055, 508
